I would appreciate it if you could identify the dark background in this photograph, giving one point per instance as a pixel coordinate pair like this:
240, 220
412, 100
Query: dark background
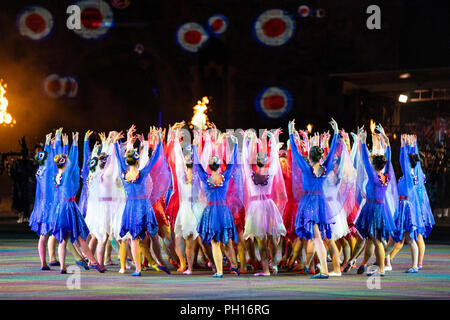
118, 88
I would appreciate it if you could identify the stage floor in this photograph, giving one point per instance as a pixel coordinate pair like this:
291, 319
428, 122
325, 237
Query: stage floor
20, 278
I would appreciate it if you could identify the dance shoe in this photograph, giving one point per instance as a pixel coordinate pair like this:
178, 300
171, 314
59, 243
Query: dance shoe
63, 271
215, 275
181, 269
243, 271
98, 267
411, 270
361, 269
274, 270
163, 268
187, 272
335, 274
155, 267
262, 274
235, 270
122, 271
375, 273
419, 267
387, 268
349, 265
83, 264
45, 268
136, 274
54, 264
329, 259
319, 276
298, 268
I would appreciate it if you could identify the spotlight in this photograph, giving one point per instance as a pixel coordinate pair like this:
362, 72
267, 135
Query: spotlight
403, 98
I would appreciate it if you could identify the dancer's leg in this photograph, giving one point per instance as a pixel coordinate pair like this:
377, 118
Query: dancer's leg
421, 246
123, 256
347, 251
334, 252
296, 251
62, 253
217, 255
414, 250
310, 251
73, 251
397, 247
86, 250
101, 246
231, 254
190, 246
41, 249
157, 249
321, 251
180, 248
241, 252
136, 254
379, 253
52, 244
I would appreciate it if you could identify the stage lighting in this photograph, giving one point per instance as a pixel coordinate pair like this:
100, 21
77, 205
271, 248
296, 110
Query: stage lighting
309, 127
403, 98
405, 75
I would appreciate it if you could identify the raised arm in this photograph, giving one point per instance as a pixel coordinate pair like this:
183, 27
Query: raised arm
155, 157
73, 157
86, 155
197, 164
234, 156
297, 156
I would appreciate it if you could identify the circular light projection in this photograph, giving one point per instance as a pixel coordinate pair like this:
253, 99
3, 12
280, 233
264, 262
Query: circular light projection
304, 11
274, 27
35, 23
96, 19
191, 36
273, 102
217, 24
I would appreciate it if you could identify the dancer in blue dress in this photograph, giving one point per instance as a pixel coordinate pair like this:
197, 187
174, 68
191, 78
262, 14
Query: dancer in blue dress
375, 221
425, 215
216, 225
43, 199
82, 203
67, 221
409, 222
138, 216
314, 215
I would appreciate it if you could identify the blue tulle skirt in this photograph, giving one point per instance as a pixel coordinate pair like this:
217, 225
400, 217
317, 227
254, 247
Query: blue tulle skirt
217, 223
313, 209
82, 203
67, 218
375, 219
426, 213
138, 218
407, 220
39, 218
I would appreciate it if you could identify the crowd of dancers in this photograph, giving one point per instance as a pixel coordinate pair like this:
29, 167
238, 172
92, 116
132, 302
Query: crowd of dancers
316, 198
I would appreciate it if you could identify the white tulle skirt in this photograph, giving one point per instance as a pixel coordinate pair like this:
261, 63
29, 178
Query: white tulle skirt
117, 221
100, 217
263, 218
340, 228
186, 222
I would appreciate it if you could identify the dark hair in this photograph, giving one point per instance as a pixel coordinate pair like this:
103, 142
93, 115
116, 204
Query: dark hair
261, 159
41, 156
130, 157
103, 157
413, 159
150, 152
315, 154
92, 163
188, 160
379, 161
214, 163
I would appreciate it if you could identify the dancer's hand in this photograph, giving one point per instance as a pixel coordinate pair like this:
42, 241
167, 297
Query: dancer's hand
118, 136
380, 129
87, 135
334, 125
354, 136
65, 139
234, 138
363, 136
131, 131
74, 138
102, 136
48, 138
291, 126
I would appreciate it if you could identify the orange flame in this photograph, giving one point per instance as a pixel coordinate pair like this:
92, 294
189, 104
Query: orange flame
200, 119
309, 127
372, 126
5, 117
